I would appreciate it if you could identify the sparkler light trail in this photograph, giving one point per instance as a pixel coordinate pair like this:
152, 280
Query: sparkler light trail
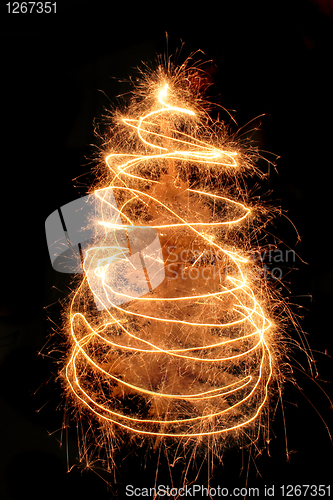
169, 334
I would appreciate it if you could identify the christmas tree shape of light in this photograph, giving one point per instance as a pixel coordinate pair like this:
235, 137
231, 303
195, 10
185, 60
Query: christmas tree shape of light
194, 355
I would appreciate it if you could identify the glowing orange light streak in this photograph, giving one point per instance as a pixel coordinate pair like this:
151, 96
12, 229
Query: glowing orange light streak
237, 290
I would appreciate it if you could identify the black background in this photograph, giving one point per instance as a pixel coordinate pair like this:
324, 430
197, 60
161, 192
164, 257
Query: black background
273, 58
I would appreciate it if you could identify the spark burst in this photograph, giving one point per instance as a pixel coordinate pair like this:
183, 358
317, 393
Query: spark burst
171, 336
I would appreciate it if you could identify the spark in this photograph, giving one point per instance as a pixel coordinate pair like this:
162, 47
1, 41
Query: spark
196, 350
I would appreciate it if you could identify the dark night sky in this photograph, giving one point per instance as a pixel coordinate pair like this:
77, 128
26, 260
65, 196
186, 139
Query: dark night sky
274, 59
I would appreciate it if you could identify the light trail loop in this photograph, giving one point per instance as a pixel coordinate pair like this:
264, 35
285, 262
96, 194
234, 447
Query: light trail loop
190, 357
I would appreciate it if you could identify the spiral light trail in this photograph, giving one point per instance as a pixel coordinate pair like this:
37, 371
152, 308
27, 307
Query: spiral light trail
179, 345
